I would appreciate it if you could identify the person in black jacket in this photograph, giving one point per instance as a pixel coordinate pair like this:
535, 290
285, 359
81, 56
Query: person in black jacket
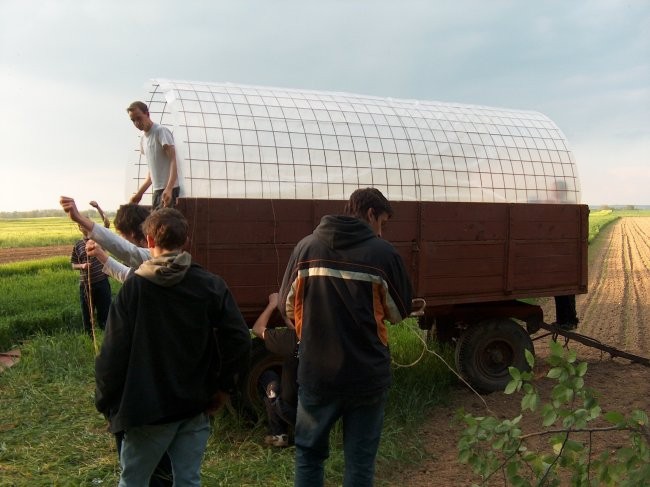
175, 343
341, 283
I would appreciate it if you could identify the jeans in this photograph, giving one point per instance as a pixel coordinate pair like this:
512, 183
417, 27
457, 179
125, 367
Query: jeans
184, 441
162, 476
362, 417
156, 200
101, 297
279, 413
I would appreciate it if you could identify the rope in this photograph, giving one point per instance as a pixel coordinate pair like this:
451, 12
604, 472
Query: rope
89, 298
426, 349
275, 246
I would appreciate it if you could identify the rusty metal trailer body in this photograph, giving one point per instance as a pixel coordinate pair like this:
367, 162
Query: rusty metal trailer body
456, 253
471, 262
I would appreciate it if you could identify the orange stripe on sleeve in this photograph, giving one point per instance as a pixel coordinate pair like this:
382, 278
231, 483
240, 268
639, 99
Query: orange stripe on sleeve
378, 308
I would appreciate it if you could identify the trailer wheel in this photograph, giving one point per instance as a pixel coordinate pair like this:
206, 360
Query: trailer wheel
486, 350
261, 360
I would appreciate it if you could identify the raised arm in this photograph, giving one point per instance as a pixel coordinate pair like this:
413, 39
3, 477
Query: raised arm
263, 320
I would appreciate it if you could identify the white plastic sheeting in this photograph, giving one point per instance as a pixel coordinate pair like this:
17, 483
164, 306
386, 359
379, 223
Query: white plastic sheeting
237, 141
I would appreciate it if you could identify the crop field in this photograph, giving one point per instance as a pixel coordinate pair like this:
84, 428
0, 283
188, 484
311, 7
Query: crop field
37, 232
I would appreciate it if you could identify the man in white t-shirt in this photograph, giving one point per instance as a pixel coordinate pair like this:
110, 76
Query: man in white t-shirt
157, 144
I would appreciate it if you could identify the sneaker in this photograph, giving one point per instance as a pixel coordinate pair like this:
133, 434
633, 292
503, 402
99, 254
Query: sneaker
277, 440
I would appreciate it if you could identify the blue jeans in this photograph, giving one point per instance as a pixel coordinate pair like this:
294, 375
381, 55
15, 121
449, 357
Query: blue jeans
184, 441
362, 416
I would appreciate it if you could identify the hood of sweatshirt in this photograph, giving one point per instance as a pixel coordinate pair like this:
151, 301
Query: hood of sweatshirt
340, 231
167, 269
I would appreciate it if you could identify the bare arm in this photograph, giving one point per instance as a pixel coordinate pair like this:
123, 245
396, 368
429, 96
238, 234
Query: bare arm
106, 221
143, 188
263, 320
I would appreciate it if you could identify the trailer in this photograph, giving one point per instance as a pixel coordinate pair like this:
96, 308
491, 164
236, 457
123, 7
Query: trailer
487, 201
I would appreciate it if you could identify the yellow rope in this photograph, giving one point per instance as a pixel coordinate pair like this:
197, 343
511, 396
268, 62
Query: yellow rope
426, 349
89, 296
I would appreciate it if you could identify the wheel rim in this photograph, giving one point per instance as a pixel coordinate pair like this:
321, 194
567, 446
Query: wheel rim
495, 358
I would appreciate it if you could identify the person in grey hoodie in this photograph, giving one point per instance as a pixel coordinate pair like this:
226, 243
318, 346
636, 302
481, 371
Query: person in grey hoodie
175, 344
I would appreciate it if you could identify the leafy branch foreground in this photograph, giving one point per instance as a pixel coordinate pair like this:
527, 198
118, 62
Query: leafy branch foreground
572, 418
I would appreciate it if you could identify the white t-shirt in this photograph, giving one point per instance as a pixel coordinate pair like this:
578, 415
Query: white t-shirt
152, 144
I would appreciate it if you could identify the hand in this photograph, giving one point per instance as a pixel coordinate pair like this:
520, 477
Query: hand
93, 249
70, 207
167, 197
274, 299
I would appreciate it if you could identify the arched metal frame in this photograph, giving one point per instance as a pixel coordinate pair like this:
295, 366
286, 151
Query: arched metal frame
237, 141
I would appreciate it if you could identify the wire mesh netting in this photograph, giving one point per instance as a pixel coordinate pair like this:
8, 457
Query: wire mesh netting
237, 141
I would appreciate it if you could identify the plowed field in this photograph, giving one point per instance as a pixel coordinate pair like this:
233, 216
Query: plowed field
615, 311
29, 253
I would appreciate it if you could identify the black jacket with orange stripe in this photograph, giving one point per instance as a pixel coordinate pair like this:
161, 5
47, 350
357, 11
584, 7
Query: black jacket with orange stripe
341, 283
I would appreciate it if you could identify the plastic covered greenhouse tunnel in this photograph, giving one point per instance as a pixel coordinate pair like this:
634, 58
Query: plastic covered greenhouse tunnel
487, 200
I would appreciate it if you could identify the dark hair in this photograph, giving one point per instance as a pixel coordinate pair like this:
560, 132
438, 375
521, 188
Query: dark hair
140, 105
129, 218
168, 228
364, 199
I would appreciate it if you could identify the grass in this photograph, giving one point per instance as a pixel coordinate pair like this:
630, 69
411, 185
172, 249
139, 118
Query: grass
38, 296
601, 218
52, 435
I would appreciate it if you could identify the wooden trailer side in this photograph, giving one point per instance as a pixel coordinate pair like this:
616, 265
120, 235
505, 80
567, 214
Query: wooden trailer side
477, 252
455, 252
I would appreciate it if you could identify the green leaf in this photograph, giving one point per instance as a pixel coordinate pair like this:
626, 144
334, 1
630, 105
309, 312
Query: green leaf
555, 372
549, 417
581, 369
530, 401
530, 358
463, 456
594, 411
614, 417
514, 373
512, 386
556, 349
639, 417
575, 446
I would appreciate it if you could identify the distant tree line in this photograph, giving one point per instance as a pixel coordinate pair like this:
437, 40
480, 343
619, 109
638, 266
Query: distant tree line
49, 213
615, 207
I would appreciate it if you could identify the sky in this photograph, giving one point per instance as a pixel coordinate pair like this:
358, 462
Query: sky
69, 68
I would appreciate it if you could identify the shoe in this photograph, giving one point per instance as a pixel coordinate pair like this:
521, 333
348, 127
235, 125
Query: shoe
277, 440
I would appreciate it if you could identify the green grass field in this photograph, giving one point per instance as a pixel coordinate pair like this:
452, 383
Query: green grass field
37, 232
52, 435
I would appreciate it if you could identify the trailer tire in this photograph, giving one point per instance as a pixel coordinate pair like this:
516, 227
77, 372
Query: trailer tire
486, 350
250, 396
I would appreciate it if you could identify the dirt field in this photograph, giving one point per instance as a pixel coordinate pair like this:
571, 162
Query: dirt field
29, 253
616, 312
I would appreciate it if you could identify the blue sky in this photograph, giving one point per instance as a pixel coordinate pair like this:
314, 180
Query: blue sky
69, 68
